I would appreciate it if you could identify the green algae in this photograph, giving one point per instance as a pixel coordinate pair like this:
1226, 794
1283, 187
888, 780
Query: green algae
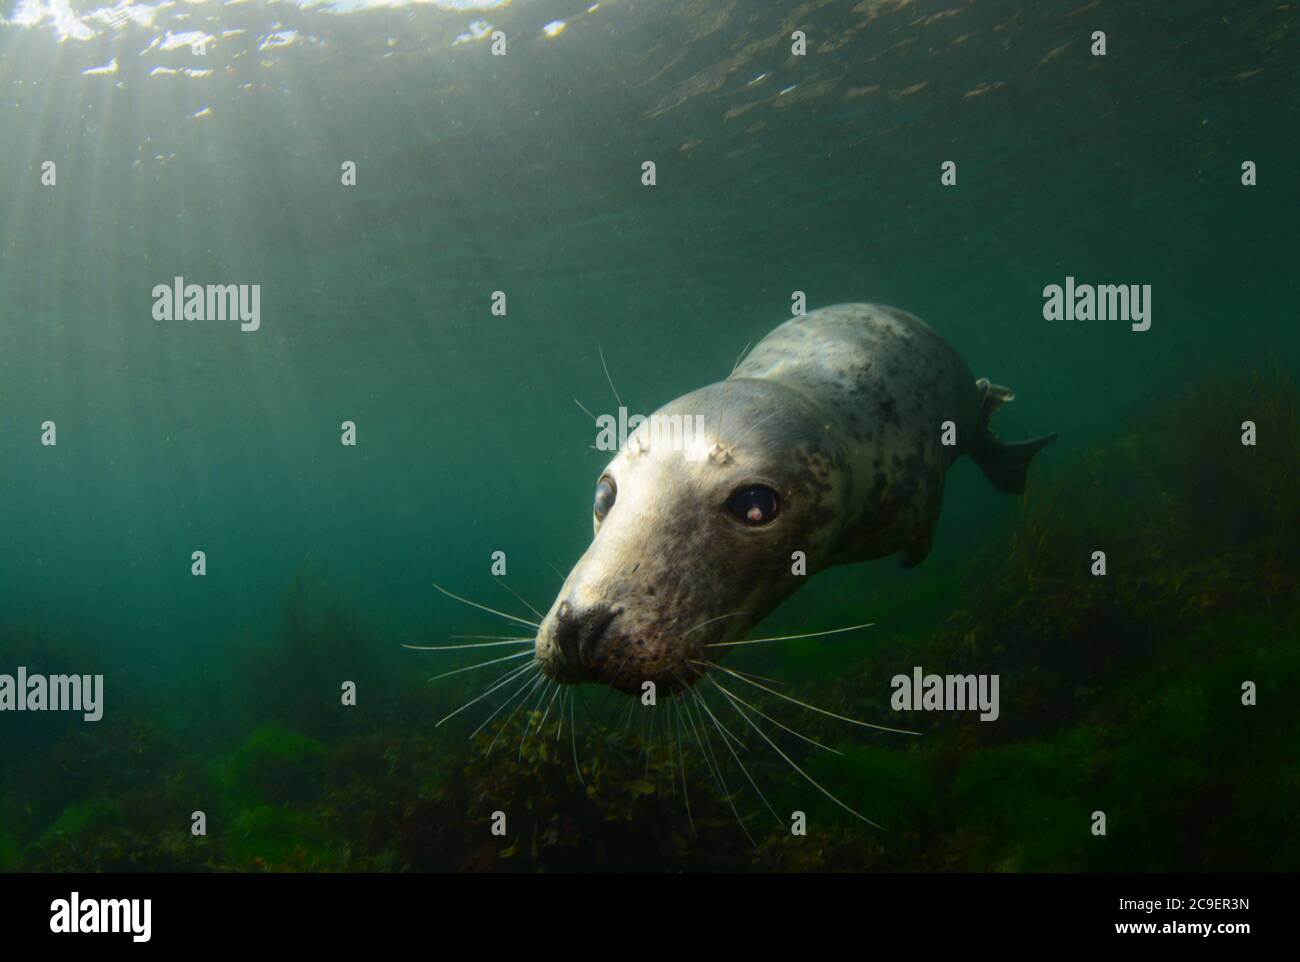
10, 854
92, 815
276, 766
275, 837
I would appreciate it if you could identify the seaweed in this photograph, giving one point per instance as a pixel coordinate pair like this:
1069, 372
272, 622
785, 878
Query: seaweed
278, 767
295, 678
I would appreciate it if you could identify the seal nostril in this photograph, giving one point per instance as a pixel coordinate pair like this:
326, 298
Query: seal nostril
577, 635
598, 621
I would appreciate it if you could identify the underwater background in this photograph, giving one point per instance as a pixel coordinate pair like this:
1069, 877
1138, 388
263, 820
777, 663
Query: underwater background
522, 174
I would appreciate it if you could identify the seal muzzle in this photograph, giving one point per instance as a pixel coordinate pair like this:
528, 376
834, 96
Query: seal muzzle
577, 635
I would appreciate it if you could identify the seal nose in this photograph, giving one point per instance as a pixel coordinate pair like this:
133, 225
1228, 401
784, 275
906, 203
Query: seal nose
578, 633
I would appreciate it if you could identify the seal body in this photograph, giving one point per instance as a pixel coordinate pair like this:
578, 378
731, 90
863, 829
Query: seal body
828, 444
884, 383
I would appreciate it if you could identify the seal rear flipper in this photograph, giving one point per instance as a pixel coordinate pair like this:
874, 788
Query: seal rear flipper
1005, 463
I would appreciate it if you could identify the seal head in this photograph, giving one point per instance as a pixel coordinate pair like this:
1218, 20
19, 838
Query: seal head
694, 534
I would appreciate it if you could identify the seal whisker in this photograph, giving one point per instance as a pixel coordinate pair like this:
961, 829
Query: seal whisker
711, 621
647, 746
812, 781
585, 411
529, 684
706, 745
768, 805
690, 721
523, 601
820, 711
626, 727
559, 715
504, 680
528, 725
681, 757
492, 644
811, 634
482, 664
666, 739
723, 729
748, 674
740, 357
607, 377
573, 741
810, 741
497, 637
475, 604
549, 705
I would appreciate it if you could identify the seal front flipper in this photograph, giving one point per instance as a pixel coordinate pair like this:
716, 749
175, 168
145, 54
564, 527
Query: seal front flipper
1004, 463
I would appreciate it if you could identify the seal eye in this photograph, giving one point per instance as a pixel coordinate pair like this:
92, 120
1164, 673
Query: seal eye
755, 505
606, 492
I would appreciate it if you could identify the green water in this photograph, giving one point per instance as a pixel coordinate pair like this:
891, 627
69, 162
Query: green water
522, 173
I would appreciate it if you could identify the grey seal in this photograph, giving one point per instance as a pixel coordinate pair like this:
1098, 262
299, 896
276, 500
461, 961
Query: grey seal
829, 443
